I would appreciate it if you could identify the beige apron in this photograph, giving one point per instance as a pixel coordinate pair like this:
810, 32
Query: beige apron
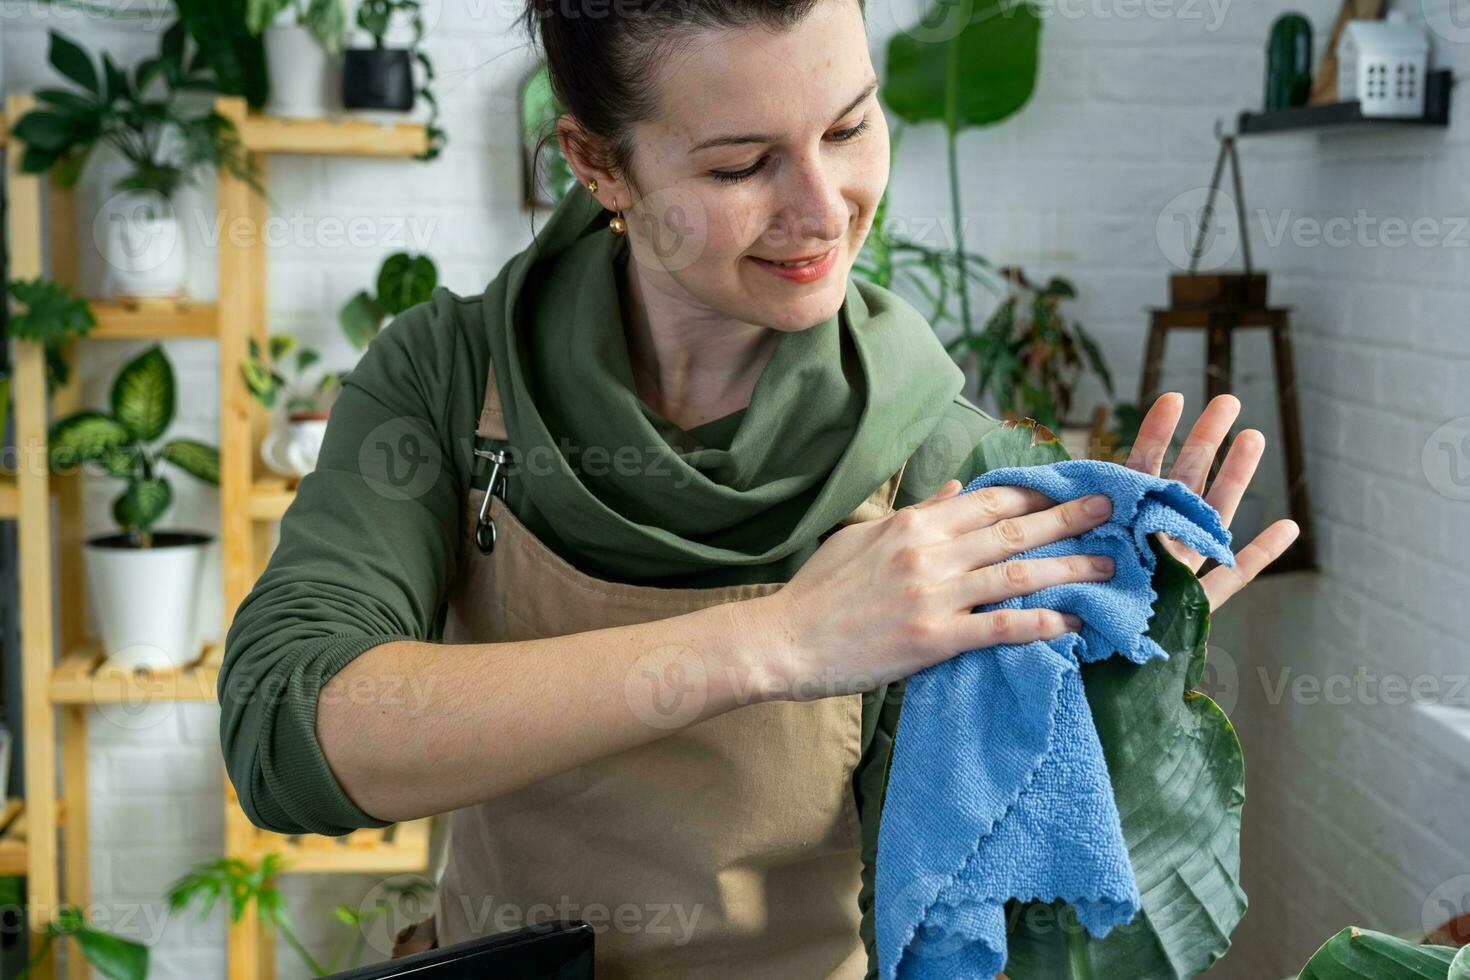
728, 849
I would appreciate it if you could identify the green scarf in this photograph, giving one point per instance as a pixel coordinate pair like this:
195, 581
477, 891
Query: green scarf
836, 411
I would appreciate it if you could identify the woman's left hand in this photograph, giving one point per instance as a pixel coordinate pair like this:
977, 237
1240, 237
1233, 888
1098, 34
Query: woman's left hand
1192, 468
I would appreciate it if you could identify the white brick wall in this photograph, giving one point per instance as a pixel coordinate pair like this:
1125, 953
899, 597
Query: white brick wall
1353, 813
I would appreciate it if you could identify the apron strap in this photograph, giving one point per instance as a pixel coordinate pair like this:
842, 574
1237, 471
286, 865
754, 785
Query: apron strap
492, 418
880, 502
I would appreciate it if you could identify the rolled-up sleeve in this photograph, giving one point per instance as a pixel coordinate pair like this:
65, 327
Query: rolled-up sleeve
366, 554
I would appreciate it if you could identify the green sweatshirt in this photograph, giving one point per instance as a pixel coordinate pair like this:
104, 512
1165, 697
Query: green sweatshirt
367, 556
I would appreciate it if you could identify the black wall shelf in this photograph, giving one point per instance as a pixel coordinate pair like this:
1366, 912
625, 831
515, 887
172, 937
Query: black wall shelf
1350, 114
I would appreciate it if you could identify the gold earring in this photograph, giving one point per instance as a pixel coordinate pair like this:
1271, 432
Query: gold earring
617, 224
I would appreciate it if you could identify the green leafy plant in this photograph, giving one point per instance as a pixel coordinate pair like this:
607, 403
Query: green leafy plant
113, 956
1361, 954
375, 17
936, 273
118, 442
1030, 354
963, 77
50, 313
404, 280
242, 884
233, 52
141, 116
266, 375
1178, 777
325, 20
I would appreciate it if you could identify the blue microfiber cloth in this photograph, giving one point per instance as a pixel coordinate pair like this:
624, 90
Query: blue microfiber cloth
997, 788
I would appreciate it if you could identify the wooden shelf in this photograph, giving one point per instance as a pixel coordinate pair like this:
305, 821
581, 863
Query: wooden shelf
269, 498
148, 319
399, 848
13, 838
9, 498
342, 136
77, 679
1340, 115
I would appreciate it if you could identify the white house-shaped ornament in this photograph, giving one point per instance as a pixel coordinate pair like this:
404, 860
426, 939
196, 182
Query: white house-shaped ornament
1381, 64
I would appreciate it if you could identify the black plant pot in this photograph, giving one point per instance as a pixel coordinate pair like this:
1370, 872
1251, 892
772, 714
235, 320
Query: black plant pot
377, 78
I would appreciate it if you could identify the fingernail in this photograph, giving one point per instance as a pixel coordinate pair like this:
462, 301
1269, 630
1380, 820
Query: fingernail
1097, 504
1073, 622
1102, 563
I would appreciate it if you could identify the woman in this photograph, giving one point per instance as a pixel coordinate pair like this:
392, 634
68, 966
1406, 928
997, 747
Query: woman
657, 674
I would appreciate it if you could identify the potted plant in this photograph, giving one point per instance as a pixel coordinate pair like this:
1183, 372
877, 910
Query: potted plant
1031, 356
149, 118
381, 77
303, 41
142, 581
291, 448
404, 280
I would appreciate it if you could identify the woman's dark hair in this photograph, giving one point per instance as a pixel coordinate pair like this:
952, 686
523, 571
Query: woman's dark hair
603, 57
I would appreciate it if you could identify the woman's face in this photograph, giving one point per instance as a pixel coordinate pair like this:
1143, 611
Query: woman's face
770, 146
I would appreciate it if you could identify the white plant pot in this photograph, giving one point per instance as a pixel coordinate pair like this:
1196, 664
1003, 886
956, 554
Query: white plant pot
144, 599
291, 450
143, 247
305, 80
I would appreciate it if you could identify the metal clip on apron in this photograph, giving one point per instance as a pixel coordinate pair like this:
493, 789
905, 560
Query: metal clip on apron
495, 487
726, 849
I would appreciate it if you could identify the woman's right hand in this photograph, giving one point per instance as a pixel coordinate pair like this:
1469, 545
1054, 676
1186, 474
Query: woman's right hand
883, 599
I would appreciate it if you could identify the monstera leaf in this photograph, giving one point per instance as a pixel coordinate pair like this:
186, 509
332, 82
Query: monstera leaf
1361, 954
1178, 779
964, 64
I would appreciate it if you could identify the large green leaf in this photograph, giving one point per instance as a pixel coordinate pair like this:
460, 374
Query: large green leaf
194, 458
68, 57
114, 957
49, 131
361, 318
85, 436
973, 73
1361, 954
142, 503
143, 394
405, 280
1178, 779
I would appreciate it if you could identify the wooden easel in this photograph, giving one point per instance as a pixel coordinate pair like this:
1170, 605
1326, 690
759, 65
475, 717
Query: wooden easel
1221, 304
